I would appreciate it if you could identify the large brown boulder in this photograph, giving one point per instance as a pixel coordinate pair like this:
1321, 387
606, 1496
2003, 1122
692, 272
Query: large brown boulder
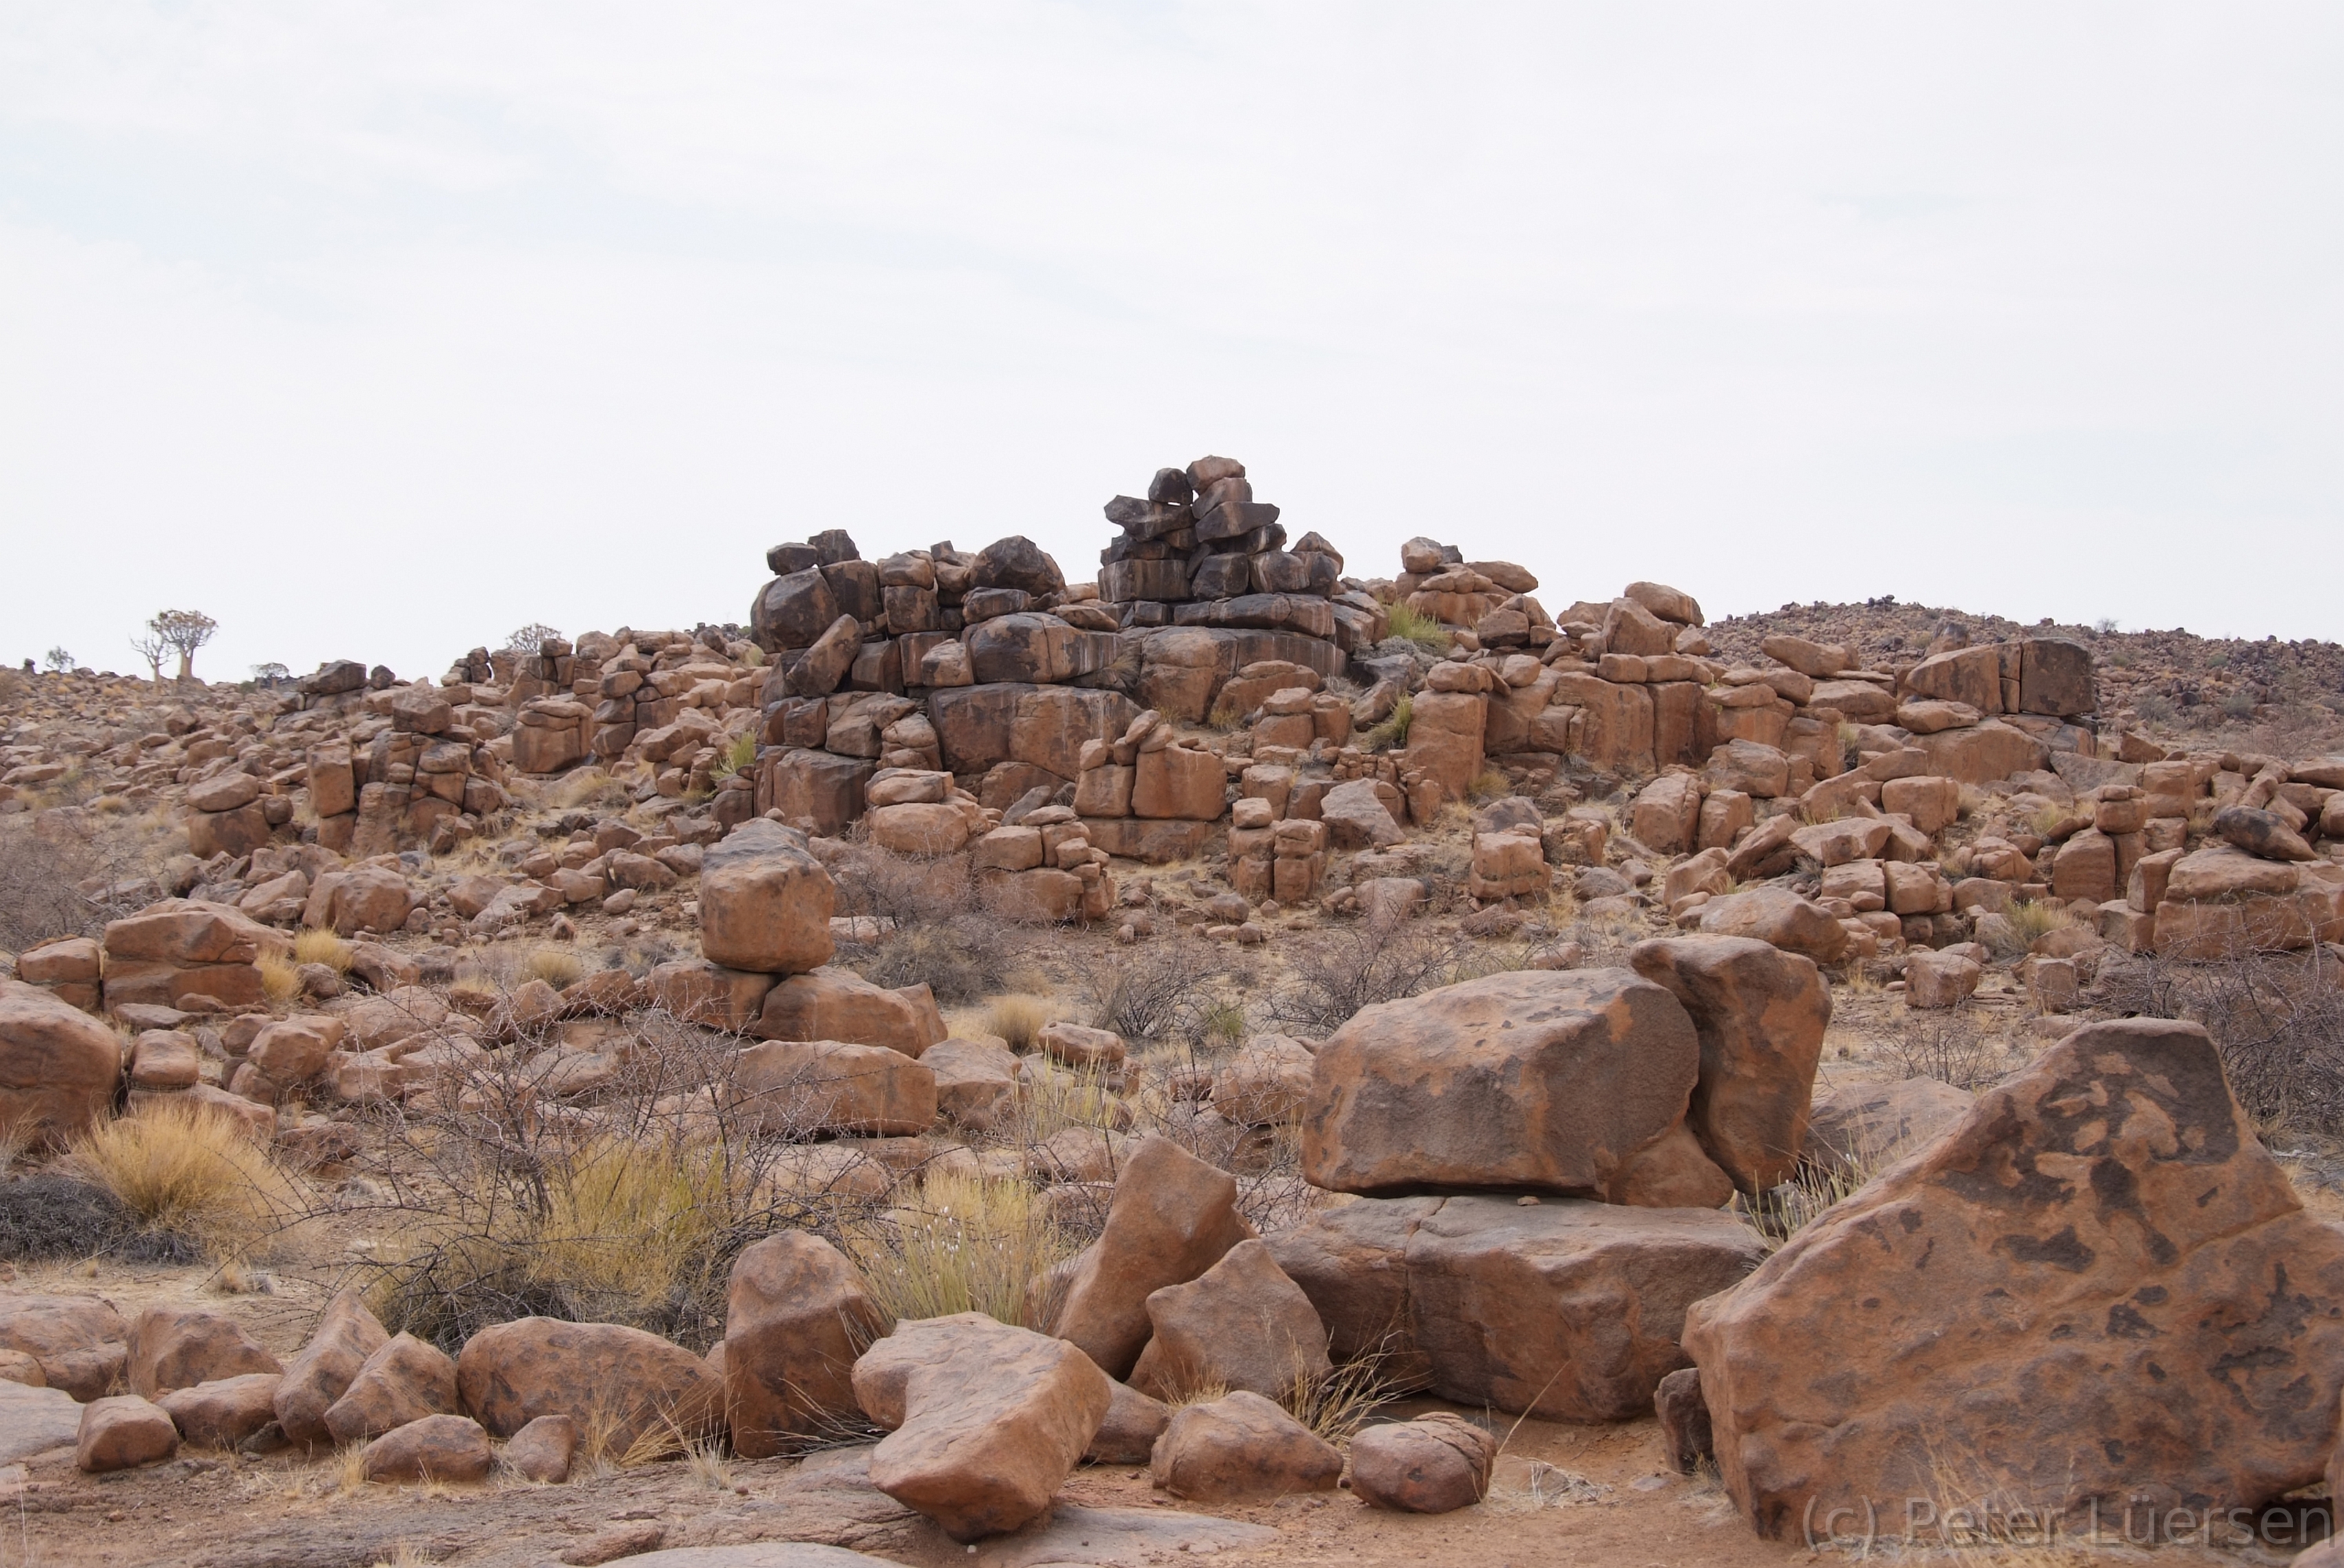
986, 1421
58, 1066
2098, 1291
1240, 1324
764, 901
821, 1086
795, 1317
1860, 1128
442, 1447
829, 1004
179, 1347
1779, 918
615, 1381
1760, 1014
1570, 1310
1172, 1217
123, 1431
80, 1341
1551, 1080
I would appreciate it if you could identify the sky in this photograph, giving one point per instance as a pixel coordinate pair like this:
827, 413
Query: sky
377, 330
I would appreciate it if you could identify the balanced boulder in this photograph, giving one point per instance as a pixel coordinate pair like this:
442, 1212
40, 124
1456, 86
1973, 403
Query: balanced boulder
764, 901
1550, 1080
986, 1421
1760, 1014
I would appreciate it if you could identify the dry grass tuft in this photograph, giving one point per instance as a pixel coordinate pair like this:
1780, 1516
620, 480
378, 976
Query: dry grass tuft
1018, 1020
1390, 732
973, 1244
587, 787
557, 967
192, 1171
319, 946
280, 977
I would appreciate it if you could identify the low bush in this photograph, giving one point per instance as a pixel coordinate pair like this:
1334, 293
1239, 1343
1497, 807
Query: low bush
50, 1215
962, 959
1411, 625
2276, 1019
1338, 972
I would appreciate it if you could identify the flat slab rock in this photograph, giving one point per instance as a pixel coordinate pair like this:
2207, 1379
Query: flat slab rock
34, 1421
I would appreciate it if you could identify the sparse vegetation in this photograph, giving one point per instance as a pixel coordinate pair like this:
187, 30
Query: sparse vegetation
1369, 962
315, 945
966, 1244
280, 977
191, 1171
1018, 1020
1390, 732
1411, 625
1945, 1045
2278, 1020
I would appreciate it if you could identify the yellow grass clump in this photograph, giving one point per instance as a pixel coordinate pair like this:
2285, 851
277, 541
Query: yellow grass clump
974, 1244
319, 946
194, 1172
280, 977
1018, 1019
557, 967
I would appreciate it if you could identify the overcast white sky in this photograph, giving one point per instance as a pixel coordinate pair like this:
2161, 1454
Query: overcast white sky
377, 330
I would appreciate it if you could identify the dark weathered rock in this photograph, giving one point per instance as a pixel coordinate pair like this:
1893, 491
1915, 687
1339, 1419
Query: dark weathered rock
2097, 1290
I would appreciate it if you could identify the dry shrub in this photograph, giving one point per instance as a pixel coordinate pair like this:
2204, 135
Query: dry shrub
1943, 1045
587, 787
52, 1215
497, 1210
970, 1245
961, 958
1338, 972
40, 873
192, 1171
2029, 922
1160, 991
316, 945
2276, 1019
1018, 1020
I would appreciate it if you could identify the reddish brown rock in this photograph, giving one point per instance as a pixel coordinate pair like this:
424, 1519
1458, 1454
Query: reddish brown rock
1760, 1015
1240, 1449
1861, 1128
795, 1317
765, 901
58, 1066
1436, 1464
80, 1341
1569, 1309
2097, 1288
619, 1382
404, 1380
1128, 1436
1172, 1217
433, 1448
223, 1413
1779, 917
837, 1005
1240, 1324
1266, 1083
179, 1347
805, 1087
1685, 1439
986, 1422
346, 1335
1530, 1079
121, 1432
542, 1451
